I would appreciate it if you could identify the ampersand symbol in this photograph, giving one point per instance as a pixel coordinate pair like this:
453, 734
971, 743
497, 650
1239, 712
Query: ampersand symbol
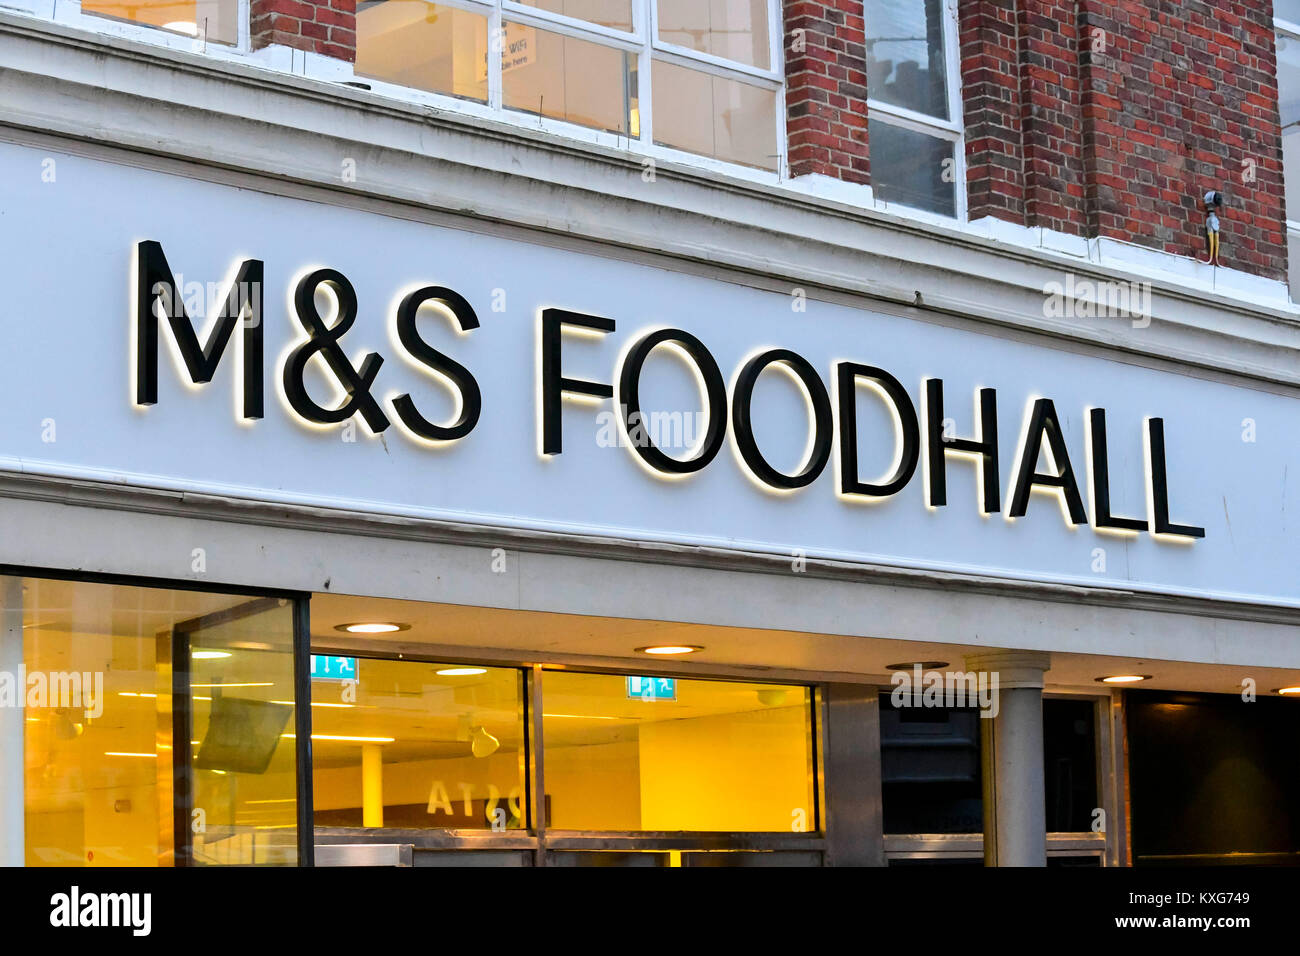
324, 340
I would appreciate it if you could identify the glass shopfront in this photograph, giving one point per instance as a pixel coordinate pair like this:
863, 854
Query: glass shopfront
159, 726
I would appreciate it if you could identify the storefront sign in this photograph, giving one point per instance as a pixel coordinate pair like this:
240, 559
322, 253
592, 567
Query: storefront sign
414, 370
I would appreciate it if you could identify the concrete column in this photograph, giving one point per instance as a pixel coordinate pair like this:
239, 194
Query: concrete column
12, 726
1011, 745
372, 785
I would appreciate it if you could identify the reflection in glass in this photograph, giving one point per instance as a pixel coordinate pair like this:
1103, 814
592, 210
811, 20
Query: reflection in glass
733, 29
715, 755
905, 55
562, 78
912, 169
427, 46
217, 21
1288, 97
102, 777
419, 746
615, 14
713, 116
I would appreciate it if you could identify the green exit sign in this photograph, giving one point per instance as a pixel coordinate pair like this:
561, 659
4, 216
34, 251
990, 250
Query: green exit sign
652, 688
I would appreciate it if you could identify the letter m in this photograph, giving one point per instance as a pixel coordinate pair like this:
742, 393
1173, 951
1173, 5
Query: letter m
154, 282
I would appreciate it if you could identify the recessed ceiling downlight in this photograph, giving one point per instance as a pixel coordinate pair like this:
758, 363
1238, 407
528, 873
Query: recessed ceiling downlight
372, 627
669, 650
1123, 678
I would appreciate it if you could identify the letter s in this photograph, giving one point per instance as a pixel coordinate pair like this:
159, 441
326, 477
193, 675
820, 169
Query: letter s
455, 374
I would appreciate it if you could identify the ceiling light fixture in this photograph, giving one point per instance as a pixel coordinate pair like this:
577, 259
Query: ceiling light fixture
668, 650
924, 665
375, 627
1123, 678
209, 655
461, 671
1287, 691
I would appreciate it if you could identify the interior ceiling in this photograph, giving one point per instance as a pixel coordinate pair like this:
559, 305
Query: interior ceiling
466, 633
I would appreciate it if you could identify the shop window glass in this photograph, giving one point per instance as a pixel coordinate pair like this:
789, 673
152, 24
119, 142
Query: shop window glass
410, 745
216, 21
731, 29
930, 769
103, 777
564, 78
714, 116
699, 755
1070, 764
615, 14
427, 46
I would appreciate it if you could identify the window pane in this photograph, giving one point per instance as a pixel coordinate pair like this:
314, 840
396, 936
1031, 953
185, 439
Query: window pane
427, 46
217, 20
713, 116
735, 29
912, 169
420, 746
243, 761
1288, 95
1293, 264
930, 769
616, 14
1070, 764
567, 79
905, 55
94, 754
693, 755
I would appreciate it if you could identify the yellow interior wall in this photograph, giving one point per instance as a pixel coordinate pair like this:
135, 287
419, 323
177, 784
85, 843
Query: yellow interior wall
744, 771
412, 782
594, 787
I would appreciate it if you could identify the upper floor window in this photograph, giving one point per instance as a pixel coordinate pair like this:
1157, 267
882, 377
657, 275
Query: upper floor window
702, 76
214, 20
914, 104
1287, 13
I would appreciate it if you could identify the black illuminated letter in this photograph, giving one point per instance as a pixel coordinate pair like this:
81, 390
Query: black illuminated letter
1160, 485
715, 400
471, 399
324, 340
553, 383
1101, 478
938, 445
847, 376
243, 301
823, 423
1043, 422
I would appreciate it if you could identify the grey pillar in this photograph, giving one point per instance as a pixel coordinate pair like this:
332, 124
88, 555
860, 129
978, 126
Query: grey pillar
1011, 744
13, 822
854, 812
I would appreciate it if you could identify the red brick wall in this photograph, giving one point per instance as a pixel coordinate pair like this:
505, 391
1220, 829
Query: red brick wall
320, 26
826, 89
1114, 118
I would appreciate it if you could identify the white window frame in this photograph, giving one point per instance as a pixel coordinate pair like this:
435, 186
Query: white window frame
643, 42
952, 130
1290, 31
